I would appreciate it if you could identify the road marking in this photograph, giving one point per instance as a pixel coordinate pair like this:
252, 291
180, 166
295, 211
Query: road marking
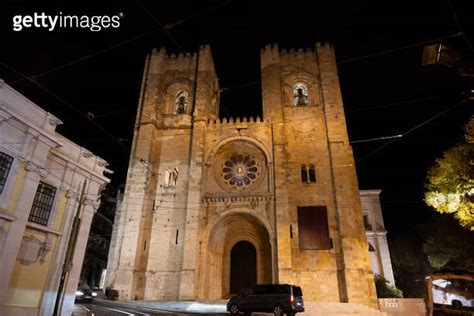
88, 311
158, 310
118, 310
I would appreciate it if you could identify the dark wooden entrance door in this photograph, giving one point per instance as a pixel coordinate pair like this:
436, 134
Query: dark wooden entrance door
243, 266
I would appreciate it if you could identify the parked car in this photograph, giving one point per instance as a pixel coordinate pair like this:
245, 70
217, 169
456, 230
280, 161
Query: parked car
84, 293
277, 298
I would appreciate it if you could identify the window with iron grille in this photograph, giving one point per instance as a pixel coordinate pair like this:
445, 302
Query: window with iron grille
5, 165
42, 204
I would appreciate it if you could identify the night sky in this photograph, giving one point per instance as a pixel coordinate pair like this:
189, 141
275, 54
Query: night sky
385, 94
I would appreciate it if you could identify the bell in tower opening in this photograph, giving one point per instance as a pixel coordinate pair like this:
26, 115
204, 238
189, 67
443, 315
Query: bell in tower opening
300, 94
181, 102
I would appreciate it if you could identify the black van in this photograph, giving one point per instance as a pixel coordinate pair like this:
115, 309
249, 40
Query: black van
277, 298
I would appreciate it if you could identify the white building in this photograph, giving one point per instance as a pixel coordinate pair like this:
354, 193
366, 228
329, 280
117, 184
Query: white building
376, 234
41, 177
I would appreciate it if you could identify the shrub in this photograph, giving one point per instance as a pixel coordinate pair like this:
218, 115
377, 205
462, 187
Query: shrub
384, 290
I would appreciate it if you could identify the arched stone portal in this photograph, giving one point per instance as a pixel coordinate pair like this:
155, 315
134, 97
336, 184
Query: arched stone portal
222, 236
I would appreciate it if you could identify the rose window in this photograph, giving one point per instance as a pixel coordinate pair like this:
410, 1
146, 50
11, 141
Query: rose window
240, 170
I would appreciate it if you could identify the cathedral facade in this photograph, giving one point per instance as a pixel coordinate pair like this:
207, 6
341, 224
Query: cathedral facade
213, 205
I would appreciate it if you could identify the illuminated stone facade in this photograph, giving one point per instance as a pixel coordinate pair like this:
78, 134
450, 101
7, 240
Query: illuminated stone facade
197, 185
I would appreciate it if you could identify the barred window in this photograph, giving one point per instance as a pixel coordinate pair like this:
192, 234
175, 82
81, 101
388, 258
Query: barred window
5, 165
42, 204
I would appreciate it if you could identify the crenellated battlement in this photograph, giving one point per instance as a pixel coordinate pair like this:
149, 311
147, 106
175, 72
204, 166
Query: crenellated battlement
297, 56
271, 54
161, 61
234, 122
185, 61
206, 63
181, 57
324, 45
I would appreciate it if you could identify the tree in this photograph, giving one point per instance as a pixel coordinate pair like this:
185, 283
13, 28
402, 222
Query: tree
384, 290
446, 245
410, 265
450, 182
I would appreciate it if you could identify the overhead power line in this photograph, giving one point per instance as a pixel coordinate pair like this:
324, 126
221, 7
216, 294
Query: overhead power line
383, 106
362, 57
375, 139
456, 20
69, 105
81, 59
122, 43
165, 30
400, 48
411, 130
171, 25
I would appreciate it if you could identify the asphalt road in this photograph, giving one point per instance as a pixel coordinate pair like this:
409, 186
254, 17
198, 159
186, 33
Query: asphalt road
105, 308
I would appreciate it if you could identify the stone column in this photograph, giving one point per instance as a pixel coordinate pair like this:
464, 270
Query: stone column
90, 207
384, 252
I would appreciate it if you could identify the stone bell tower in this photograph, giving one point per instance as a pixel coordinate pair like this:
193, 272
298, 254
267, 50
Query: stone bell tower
321, 239
155, 239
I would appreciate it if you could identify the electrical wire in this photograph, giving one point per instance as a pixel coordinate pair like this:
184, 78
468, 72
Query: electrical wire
399, 48
91, 55
171, 25
456, 20
384, 106
412, 129
240, 86
166, 31
363, 57
375, 139
81, 59
69, 105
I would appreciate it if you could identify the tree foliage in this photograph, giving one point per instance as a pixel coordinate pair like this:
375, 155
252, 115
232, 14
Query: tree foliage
410, 266
450, 182
446, 245
385, 290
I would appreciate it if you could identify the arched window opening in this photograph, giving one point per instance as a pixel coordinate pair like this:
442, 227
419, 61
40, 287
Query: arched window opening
300, 95
312, 173
308, 173
181, 102
304, 174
